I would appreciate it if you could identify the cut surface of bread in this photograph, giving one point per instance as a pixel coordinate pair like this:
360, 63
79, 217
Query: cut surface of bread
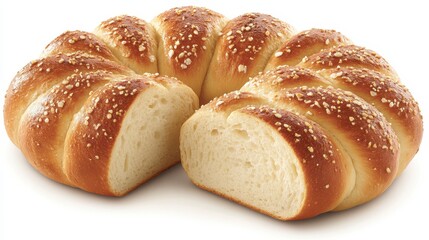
126, 133
245, 160
149, 138
262, 158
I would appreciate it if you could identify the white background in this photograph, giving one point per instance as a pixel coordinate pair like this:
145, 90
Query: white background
169, 206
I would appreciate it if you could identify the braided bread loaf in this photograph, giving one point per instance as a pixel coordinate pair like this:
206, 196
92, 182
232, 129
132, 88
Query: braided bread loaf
328, 126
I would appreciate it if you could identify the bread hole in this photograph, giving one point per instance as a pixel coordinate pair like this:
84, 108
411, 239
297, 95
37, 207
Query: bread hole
231, 149
142, 127
195, 127
152, 105
214, 132
163, 100
248, 164
156, 135
139, 144
241, 133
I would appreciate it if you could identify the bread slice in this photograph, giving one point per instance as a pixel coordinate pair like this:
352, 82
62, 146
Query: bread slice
118, 141
264, 158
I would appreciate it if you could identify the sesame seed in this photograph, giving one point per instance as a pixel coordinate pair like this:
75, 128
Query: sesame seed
141, 48
188, 61
170, 53
327, 186
338, 54
97, 157
372, 93
242, 68
220, 102
327, 41
351, 119
310, 149
278, 115
46, 120
88, 145
183, 66
305, 59
388, 170
108, 116
60, 104
278, 54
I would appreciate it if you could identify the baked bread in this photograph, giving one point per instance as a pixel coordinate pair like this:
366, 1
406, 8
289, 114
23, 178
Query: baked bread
328, 134
328, 126
79, 113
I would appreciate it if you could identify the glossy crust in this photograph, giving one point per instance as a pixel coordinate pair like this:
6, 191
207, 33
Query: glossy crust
40, 75
132, 40
242, 51
305, 44
44, 125
359, 127
93, 133
348, 56
391, 98
78, 41
283, 77
187, 36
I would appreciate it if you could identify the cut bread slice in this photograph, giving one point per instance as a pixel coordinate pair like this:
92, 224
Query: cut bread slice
129, 138
264, 159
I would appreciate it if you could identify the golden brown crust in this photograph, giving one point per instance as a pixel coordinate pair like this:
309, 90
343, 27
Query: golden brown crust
93, 132
39, 76
390, 97
283, 77
187, 37
44, 126
320, 159
348, 56
232, 101
362, 130
132, 40
244, 37
78, 41
242, 51
185, 31
304, 44
377, 89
